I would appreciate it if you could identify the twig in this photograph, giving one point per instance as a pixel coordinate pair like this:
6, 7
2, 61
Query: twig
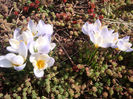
80, 7
78, 13
10, 11
70, 56
18, 17
60, 29
3, 26
117, 21
65, 51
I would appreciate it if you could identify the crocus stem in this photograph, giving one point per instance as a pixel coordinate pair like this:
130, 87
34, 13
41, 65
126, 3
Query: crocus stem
92, 55
115, 57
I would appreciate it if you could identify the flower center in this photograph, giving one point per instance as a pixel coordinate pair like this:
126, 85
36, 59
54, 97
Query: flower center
33, 33
40, 64
117, 49
115, 39
96, 45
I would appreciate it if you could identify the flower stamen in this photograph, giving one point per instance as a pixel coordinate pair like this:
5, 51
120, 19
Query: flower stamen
40, 64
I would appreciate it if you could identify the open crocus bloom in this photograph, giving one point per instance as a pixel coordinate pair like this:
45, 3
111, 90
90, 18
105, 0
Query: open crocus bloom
100, 35
124, 45
104, 38
41, 29
25, 37
13, 60
41, 45
41, 62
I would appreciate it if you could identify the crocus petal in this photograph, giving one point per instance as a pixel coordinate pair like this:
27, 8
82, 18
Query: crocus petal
38, 73
39, 56
110, 31
115, 37
48, 29
97, 24
44, 49
32, 57
84, 28
21, 67
120, 45
20, 38
39, 47
124, 44
23, 50
14, 43
42, 57
32, 48
104, 32
87, 28
40, 27
106, 45
16, 33
126, 38
40, 24
27, 37
52, 45
33, 60
99, 41
49, 37
10, 56
10, 49
43, 39
129, 50
17, 60
92, 38
30, 25
44, 29
5, 63
51, 62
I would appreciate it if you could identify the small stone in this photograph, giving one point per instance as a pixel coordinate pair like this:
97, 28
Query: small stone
105, 94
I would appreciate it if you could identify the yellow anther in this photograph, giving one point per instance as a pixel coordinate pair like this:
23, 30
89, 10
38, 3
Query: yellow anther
40, 64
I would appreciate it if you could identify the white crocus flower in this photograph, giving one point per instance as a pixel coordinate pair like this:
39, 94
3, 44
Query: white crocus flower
40, 63
41, 45
25, 37
124, 44
41, 29
13, 60
108, 38
100, 35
